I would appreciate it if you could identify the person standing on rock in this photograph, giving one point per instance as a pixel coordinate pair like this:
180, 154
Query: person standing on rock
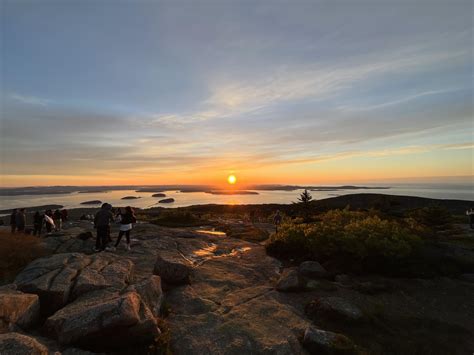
277, 220
102, 221
48, 221
37, 223
126, 223
57, 220
470, 215
20, 219
13, 221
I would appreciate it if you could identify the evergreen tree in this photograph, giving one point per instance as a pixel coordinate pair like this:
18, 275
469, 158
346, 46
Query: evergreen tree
304, 200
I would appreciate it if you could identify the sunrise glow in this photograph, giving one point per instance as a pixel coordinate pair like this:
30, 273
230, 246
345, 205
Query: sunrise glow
231, 179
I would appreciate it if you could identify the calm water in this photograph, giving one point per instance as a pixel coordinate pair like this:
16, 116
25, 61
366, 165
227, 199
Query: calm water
442, 191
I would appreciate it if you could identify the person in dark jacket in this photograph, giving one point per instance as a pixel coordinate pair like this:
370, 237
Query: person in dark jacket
57, 217
102, 221
20, 219
126, 223
13, 221
37, 223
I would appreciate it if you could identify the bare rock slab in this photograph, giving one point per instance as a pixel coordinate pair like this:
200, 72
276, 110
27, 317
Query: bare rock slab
172, 268
333, 309
60, 278
318, 341
103, 320
18, 309
16, 344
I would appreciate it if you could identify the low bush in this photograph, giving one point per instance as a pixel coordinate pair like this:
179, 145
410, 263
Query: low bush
434, 217
16, 251
361, 237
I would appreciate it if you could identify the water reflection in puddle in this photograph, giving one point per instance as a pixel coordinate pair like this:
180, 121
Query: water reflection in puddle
211, 252
211, 232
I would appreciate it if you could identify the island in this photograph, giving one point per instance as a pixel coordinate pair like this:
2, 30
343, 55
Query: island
158, 195
92, 202
130, 198
232, 192
166, 200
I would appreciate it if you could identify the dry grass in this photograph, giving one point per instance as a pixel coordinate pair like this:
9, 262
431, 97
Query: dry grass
16, 251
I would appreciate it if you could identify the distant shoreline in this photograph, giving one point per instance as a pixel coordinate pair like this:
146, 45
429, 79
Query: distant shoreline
359, 200
56, 190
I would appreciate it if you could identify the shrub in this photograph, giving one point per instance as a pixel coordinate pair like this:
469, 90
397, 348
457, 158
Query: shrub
16, 251
345, 235
434, 217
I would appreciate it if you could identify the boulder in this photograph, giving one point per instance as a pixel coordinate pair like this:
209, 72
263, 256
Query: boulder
318, 341
172, 268
313, 270
17, 344
104, 320
333, 309
60, 278
150, 293
18, 309
289, 281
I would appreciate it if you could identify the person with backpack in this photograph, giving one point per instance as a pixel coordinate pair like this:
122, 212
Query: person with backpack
102, 221
20, 218
126, 223
13, 221
37, 223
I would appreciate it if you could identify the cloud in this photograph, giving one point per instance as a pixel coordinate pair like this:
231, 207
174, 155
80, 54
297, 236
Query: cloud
30, 100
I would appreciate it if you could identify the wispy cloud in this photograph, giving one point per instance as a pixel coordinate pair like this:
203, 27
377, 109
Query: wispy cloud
30, 100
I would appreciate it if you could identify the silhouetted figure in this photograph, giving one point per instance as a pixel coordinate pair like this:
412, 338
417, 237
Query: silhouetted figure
64, 215
277, 220
470, 215
126, 225
37, 223
49, 221
102, 221
20, 219
57, 217
13, 221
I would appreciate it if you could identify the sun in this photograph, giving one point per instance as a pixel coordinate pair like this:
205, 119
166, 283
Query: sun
231, 179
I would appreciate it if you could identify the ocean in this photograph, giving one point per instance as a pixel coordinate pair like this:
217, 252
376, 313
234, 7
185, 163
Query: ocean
182, 199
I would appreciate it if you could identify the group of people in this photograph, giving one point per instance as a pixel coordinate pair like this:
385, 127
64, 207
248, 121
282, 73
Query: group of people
102, 221
49, 220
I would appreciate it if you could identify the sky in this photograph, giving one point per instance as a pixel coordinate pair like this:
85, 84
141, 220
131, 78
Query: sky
187, 92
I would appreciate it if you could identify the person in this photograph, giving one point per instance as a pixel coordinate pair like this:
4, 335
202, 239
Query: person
64, 215
20, 220
37, 223
57, 220
102, 221
470, 214
13, 221
48, 221
277, 220
126, 224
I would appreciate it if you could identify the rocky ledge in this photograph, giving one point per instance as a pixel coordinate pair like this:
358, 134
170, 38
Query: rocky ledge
202, 293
